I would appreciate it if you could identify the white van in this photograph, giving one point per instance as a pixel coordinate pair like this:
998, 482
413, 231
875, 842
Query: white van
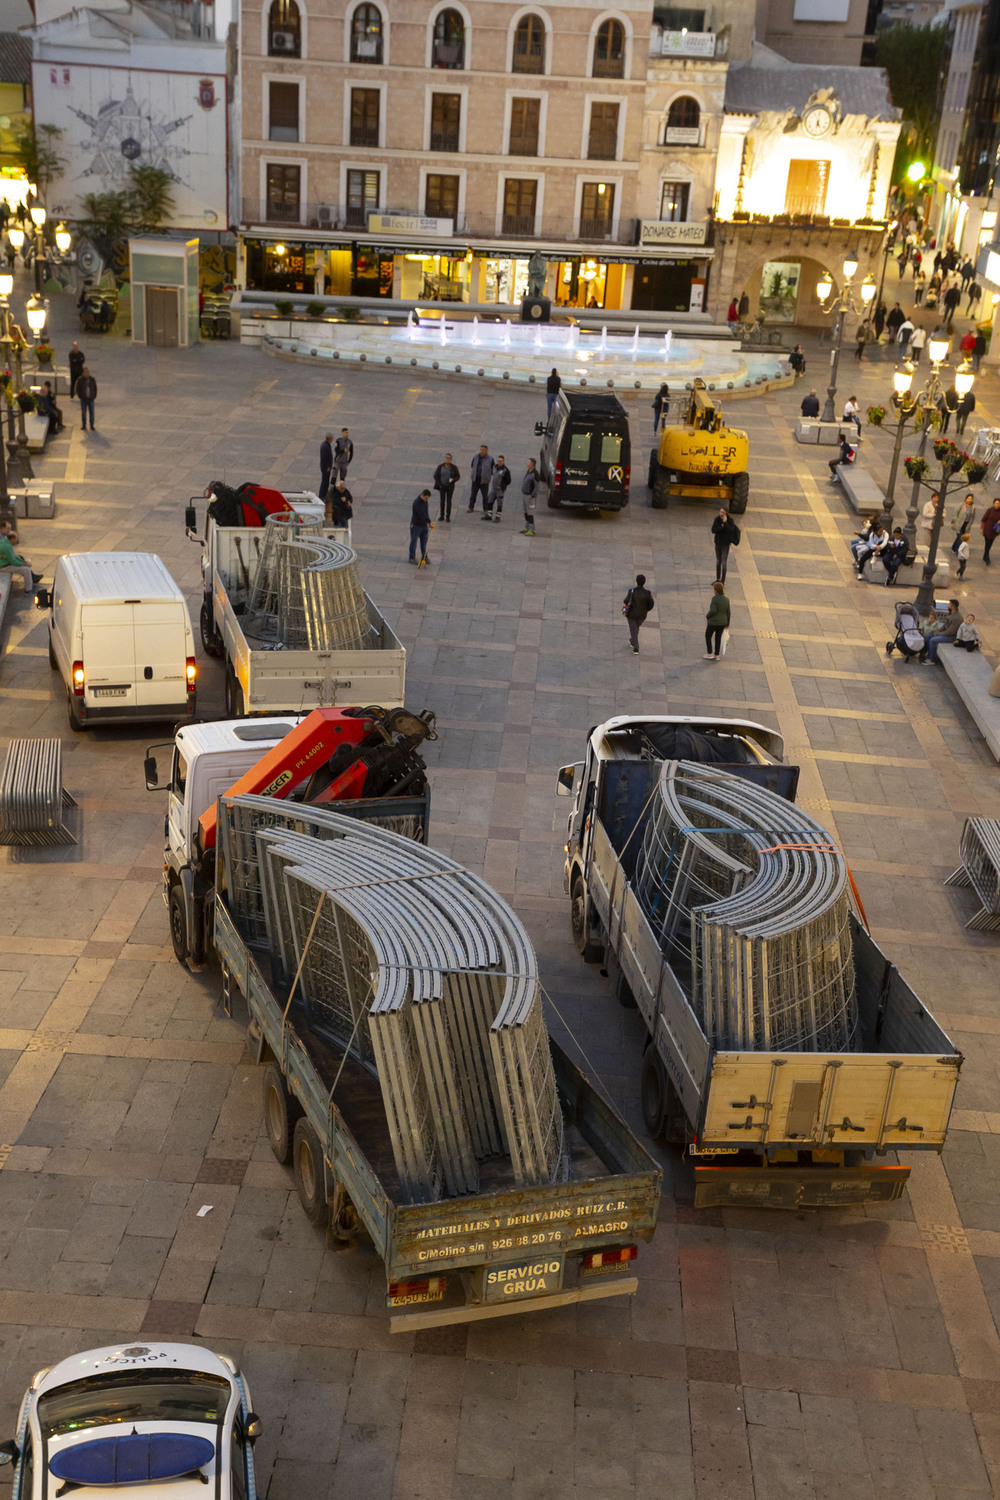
120, 635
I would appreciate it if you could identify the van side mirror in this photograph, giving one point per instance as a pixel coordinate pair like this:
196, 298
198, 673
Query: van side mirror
565, 779
151, 773
190, 520
539, 429
254, 1427
43, 599
9, 1452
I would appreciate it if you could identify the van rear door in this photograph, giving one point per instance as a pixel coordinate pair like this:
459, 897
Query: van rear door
610, 463
576, 464
108, 656
160, 654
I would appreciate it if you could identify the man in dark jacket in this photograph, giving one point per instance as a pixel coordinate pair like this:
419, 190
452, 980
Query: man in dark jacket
952, 298
420, 525
810, 405
895, 321
482, 473
552, 388
499, 480
636, 606
947, 633
340, 508
725, 534
86, 391
325, 464
966, 406
446, 476
343, 453
845, 456
529, 488
76, 364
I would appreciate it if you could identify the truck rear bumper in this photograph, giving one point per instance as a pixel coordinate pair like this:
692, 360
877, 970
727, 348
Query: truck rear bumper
618, 1286
796, 1186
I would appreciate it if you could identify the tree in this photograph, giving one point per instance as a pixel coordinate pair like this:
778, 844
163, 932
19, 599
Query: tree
913, 57
36, 154
105, 219
150, 199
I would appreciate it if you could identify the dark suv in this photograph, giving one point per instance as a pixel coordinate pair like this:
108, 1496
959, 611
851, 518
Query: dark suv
586, 455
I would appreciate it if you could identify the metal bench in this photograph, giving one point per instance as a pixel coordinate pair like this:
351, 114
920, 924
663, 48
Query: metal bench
860, 488
971, 674
32, 796
980, 868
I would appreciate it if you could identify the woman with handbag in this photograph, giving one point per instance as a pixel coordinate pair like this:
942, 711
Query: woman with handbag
718, 617
726, 534
635, 607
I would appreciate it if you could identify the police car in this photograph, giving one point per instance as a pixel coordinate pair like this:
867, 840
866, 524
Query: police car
138, 1419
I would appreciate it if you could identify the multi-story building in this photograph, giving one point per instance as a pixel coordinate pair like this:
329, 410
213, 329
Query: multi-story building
432, 149
806, 30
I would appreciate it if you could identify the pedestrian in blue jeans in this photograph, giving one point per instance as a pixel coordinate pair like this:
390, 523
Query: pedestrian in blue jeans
420, 525
86, 390
552, 388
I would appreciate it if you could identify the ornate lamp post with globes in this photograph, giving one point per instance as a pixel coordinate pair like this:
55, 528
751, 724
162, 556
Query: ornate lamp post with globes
843, 303
919, 408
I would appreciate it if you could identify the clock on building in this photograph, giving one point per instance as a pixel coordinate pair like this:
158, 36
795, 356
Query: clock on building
817, 121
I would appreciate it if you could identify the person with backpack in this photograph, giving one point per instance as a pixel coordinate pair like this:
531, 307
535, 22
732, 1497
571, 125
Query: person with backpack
726, 534
717, 618
636, 605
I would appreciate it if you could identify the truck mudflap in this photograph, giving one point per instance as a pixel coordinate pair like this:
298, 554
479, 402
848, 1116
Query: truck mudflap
791, 1186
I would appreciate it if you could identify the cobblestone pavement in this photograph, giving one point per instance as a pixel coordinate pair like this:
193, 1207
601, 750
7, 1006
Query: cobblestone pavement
840, 1354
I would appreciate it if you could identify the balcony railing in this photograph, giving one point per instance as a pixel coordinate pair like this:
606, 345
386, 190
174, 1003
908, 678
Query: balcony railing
522, 225
523, 145
602, 145
444, 140
364, 135
529, 60
449, 55
687, 44
609, 67
480, 226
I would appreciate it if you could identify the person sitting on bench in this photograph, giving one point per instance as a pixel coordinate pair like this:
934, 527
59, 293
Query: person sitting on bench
11, 559
873, 545
845, 456
894, 555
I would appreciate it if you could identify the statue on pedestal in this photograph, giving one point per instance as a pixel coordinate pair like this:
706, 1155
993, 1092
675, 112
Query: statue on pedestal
537, 272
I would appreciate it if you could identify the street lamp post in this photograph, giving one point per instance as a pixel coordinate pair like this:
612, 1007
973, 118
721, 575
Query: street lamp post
18, 464
925, 594
38, 217
842, 304
937, 346
886, 251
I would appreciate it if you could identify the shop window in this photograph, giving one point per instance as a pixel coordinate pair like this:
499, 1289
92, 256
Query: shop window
520, 196
597, 206
529, 45
284, 29
283, 194
602, 144
609, 51
283, 111
805, 190
525, 115
683, 126
366, 35
674, 201
362, 198
441, 197
449, 40
365, 105
446, 119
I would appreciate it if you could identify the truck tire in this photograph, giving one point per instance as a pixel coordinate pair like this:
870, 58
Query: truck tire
740, 495
208, 638
660, 487
281, 1112
75, 723
552, 500
654, 467
653, 1093
235, 706
178, 924
589, 951
310, 1173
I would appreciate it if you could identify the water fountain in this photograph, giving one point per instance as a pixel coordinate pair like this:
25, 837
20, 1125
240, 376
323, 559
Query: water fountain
668, 339
604, 339
475, 331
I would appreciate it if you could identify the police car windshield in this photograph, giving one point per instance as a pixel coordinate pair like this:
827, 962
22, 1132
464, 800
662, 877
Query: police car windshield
133, 1396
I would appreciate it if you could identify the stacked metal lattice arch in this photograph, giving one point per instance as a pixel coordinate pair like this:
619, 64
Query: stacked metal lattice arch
306, 592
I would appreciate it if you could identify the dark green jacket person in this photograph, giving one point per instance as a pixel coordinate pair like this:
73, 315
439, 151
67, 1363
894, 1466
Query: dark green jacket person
717, 618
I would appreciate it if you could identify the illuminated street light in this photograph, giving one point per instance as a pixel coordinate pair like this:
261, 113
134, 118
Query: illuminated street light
63, 239
16, 237
842, 304
964, 379
824, 288
850, 268
38, 216
867, 290
938, 345
915, 171
902, 379
36, 314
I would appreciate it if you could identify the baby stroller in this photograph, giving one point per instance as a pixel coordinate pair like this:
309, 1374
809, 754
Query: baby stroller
909, 640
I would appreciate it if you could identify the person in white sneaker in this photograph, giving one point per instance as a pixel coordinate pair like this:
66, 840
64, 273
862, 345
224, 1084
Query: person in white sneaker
717, 617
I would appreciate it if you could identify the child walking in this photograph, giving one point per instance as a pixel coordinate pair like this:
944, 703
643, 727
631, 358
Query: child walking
962, 551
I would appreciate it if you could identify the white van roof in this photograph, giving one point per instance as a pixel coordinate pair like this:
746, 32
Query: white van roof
107, 577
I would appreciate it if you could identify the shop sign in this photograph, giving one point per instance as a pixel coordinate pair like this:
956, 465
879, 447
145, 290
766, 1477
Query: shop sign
687, 44
410, 224
682, 135
670, 232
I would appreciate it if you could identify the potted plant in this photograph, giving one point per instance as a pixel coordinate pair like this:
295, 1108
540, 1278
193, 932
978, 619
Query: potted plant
917, 468
44, 353
975, 471
25, 400
315, 309
876, 415
282, 307
943, 446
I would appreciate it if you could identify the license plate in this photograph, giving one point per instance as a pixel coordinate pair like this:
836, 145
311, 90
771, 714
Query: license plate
524, 1278
713, 1151
110, 692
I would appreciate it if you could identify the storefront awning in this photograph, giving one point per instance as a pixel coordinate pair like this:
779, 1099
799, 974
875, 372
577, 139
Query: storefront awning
456, 249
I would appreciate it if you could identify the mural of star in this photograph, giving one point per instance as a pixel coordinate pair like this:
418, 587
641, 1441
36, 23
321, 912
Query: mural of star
125, 133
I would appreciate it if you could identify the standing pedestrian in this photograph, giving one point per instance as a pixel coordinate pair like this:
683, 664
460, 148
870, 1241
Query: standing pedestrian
499, 480
860, 340
919, 286
717, 620
482, 472
968, 343
660, 400
927, 516
76, 364
990, 528
918, 339
744, 307
978, 349
446, 476
529, 488
963, 553
947, 403
343, 453
879, 319
797, 360
420, 525
903, 336
894, 321
733, 315
325, 464
852, 412
964, 520
726, 534
552, 388
966, 406
952, 298
86, 390
635, 607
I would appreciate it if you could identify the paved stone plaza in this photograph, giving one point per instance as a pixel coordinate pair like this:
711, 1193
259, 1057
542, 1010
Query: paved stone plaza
849, 1355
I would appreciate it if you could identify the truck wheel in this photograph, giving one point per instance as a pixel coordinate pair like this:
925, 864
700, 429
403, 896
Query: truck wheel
75, 723
589, 951
740, 495
653, 1093
178, 924
654, 467
307, 1163
235, 706
208, 640
660, 487
281, 1111
552, 501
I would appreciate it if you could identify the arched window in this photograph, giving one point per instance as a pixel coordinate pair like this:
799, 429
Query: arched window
609, 51
284, 29
683, 122
449, 40
529, 45
366, 35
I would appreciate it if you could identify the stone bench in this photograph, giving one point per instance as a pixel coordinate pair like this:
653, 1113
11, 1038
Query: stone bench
812, 430
971, 674
860, 489
36, 431
980, 868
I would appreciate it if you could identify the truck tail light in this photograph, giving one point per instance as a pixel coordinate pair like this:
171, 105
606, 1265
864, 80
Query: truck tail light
78, 679
192, 673
599, 1258
557, 477
628, 476
427, 1289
